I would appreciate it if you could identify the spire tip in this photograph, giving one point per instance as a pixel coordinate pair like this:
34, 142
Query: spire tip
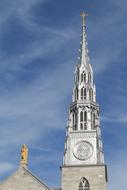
83, 15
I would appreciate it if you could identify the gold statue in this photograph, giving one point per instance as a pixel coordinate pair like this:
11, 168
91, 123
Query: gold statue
24, 155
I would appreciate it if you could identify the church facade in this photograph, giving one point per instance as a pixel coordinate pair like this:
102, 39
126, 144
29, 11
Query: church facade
83, 161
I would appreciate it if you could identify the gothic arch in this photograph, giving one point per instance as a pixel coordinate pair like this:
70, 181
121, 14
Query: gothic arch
91, 94
94, 123
84, 184
85, 116
83, 93
89, 78
74, 120
76, 94
83, 76
93, 120
81, 116
83, 120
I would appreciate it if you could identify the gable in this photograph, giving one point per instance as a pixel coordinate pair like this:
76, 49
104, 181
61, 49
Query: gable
23, 179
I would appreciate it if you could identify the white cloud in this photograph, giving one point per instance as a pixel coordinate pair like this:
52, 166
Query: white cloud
5, 167
32, 110
110, 117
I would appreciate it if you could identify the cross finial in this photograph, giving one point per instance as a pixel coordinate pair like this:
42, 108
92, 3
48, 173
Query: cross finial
83, 15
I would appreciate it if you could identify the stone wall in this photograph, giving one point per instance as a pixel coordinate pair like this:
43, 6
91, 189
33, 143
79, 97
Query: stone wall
95, 174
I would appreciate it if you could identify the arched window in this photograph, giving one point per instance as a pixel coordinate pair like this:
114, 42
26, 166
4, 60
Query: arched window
83, 77
91, 94
81, 126
74, 122
91, 120
94, 118
83, 120
81, 116
76, 94
85, 116
89, 78
84, 184
78, 76
83, 93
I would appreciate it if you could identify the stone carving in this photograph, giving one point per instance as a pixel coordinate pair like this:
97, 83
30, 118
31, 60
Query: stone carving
82, 135
83, 150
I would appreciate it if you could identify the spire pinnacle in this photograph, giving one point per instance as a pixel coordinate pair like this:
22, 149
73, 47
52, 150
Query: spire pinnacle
83, 15
84, 58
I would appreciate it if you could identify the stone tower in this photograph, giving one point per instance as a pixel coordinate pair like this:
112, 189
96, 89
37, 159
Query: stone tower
83, 163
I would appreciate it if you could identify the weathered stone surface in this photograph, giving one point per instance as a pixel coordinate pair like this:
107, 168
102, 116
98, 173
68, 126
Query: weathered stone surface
95, 174
23, 179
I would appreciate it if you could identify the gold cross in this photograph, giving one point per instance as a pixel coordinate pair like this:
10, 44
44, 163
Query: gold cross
83, 15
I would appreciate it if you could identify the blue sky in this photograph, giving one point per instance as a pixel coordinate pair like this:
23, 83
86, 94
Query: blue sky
39, 41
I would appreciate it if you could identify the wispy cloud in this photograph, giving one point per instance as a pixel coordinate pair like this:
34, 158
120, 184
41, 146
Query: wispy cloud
4, 167
31, 108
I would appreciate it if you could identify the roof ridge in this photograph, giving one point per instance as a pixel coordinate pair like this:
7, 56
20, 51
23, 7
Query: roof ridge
34, 176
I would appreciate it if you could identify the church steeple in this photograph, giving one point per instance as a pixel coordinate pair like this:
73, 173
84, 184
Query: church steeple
83, 161
84, 121
84, 89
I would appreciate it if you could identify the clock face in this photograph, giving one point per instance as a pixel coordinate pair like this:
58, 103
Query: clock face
83, 150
